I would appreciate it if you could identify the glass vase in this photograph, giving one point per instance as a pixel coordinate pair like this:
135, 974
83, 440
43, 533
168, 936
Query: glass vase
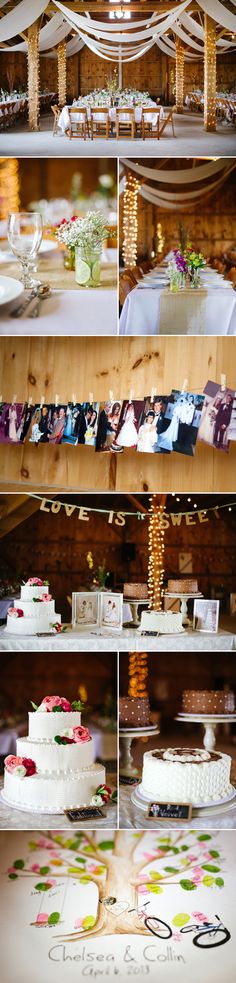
195, 278
88, 265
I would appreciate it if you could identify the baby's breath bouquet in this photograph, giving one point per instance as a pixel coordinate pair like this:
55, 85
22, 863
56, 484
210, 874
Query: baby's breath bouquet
84, 237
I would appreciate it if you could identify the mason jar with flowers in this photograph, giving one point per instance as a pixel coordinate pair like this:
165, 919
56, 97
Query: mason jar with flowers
195, 263
84, 238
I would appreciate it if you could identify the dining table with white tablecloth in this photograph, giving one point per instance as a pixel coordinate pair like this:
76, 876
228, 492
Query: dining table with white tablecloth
129, 639
64, 118
151, 308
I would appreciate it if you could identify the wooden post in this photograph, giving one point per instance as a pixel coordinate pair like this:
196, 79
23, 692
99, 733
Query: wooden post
61, 67
209, 74
179, 75
33, 75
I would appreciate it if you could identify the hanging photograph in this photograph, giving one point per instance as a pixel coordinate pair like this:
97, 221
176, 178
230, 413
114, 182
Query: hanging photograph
108, 424
206, 615
182, 420
231, 432
127, 433
111, 610
81, 423
152, 424
47, 424
85, 609
216, 416
11, 422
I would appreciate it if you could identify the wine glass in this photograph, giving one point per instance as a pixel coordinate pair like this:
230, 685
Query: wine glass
25, 231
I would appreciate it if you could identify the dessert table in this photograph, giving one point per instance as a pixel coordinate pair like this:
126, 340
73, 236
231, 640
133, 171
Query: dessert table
80, 310
150, 309
124, 641
19, 819
215, 817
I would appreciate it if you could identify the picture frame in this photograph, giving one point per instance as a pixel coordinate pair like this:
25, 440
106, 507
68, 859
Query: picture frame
206, 615
111, 611
85, 610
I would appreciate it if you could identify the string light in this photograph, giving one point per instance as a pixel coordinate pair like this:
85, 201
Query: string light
130, 221
209, 74
33, 76
179, 75
61, 69
156, 553
138, 672
9, 180
160, 238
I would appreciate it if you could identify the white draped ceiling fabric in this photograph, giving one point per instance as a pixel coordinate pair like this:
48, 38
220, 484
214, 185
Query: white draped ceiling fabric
182, 199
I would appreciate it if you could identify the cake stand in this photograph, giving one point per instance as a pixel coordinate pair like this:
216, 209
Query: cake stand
127, 735
134, 604
209, 722
184, 598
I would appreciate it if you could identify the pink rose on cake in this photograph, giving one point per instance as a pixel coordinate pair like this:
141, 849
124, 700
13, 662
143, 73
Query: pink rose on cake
80, 735
56, 701
15, 612
29, 766
11, 762
35, 582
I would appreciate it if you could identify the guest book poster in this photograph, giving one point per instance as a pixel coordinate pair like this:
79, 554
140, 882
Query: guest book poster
159, 905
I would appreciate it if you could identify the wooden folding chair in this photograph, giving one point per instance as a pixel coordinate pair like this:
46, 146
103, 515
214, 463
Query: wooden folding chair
166, 120
127, 283
56, 114
78, 126
125, 120
99, 122
150, 122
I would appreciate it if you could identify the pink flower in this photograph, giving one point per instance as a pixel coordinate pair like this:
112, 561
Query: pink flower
35, 868
52, 701
65, 704
177, 937
29, 765
192, 857
46, 597
42, 918
34, 582
15, 612
12, 762
199, 915
78, 923
143, 890
52, 882
80, 735
11, 870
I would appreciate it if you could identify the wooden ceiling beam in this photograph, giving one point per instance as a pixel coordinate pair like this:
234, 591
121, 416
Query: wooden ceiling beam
15, 509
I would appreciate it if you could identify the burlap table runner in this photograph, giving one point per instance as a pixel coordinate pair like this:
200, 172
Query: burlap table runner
183, 312
51, 270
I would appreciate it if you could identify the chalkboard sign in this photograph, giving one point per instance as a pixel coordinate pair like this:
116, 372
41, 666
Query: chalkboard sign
80, 815
170, 811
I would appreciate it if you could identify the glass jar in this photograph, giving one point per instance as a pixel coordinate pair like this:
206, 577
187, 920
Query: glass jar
69, 258
195, 278
88, 265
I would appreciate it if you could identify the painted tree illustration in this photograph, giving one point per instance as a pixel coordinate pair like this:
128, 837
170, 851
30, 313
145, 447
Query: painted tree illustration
124, 873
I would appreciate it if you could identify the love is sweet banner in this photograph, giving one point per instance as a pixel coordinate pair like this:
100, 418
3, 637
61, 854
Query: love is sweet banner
83, 513
155, 424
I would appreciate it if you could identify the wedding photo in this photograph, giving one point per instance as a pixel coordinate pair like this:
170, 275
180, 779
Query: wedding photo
215, 423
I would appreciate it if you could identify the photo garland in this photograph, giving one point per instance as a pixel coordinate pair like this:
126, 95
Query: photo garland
157, 424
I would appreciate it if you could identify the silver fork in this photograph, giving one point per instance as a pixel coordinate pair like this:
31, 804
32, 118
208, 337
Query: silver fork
21, 308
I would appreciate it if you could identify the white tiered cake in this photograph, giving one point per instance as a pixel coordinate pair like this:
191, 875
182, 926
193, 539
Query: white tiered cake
34, 612
54, 766
185, 775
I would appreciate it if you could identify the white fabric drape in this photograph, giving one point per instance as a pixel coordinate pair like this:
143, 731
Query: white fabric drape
21, 17
97, 28
187, 39
196, 29
51, 34
218, 12
185, 176
168, 199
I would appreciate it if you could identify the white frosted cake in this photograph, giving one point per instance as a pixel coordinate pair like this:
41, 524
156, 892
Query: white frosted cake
33, 612
54, 766
185, 775
161, 622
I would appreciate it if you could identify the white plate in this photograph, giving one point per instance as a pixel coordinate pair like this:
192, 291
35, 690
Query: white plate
142, 801
9, 289
47, 245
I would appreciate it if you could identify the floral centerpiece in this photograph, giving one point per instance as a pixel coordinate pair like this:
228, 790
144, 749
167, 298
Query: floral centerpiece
111, 93
100, 575
185, 267
84, 238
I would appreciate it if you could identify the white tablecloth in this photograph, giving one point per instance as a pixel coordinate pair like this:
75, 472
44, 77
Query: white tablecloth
141, 311
73, 312
130, 817
64, 119
129, 639
18, 819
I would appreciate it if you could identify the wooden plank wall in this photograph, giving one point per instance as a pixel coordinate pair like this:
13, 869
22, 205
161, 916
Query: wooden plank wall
36, 366
34, 678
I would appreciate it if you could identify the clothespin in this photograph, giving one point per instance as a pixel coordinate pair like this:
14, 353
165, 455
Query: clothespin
56, 399
111, 395
1, 399
74, 400
30, 401
223, 382
184, 386
90, 398
14, 398
131, 395
153, 393
41, 401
